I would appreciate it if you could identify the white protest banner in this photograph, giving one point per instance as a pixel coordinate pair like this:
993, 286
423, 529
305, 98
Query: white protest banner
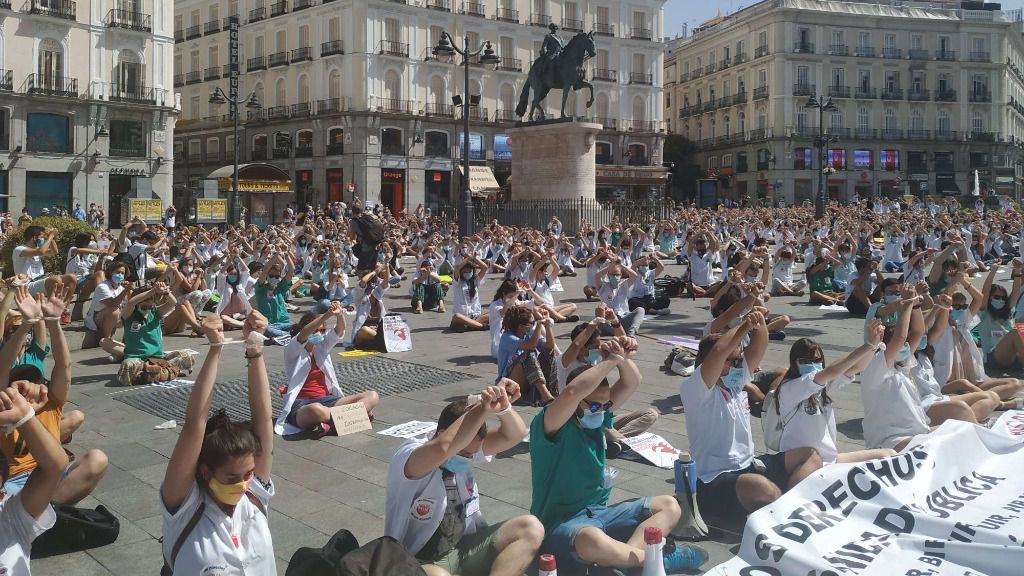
412, 429
350, 418
397, 337
951, 504
1011, 424
654, 449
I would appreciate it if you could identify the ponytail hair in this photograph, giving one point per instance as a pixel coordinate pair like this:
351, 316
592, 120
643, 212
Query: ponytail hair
224, 440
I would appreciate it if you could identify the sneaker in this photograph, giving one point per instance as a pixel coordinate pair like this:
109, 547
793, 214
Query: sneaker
572, 318
662, 312
776, 335
320, 430
682, 556
614, 449
65, 318
291, 307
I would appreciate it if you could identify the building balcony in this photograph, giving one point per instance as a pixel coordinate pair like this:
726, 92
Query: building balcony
865, 93
194, 77
179, 36
945, 95
892, 134
687, 111
476, 113
572, 25
282, 152
210, 158
439, 109
257, 63
504, 116
56, 8
836, 91
945, 136
758, 134
278, 9
259, 153
128, 151
607, 123
739, 59
508, 64
604, 29
277, 112
892, 94
697, 73
975, 56
7, 80
804, 89
257, 14
761, 93
392, 48
841, 133
301, 110
643, 126
226, 22
211, 73
892, 53
211, 27
52, 86
864, 51
919, 95
179, 80
193, 32
981, 136
945, 55
128, 20
335, 149
195, 159
126, 93
739, 97
304, 54
918, 54
641, 34
507, 15
865, 133
225, 71
806, 131
803, 47
980, 96
641, 78
761, 51
442, 5
395, 106
277, 59
541, 20
839, 50
474, 9
304, 151
724, 102
709, 69
332, 48
328, 106
302, 5
919, 135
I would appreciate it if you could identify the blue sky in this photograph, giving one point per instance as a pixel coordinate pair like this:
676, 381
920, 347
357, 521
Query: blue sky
693, 12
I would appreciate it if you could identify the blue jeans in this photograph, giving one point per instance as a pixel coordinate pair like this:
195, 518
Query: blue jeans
279, 329
891, 266
618, 521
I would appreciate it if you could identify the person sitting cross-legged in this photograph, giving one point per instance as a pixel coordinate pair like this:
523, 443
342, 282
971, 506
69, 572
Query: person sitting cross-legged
571, 483
433, 502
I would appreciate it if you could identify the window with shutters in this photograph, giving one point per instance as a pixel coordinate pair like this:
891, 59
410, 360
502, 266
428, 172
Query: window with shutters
233, 8
51, 63
836, 121
889, 119
194, 61
571, 10
803, 75
839, 76
437, 92
214, 56
602, 59
601, 16
639, 64
178, 25
540, 7
215, 13
474, 39
863, 119
194, 17
258, 48
303, 89
639, 20
303, 37
435, 35
282, 41
506, 45
943, 121
392, 30
334, 29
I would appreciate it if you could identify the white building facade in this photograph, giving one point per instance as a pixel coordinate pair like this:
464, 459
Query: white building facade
86, 104
926, 94
355, 103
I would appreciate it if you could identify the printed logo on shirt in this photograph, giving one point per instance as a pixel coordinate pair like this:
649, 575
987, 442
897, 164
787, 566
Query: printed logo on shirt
214, 571
423, 508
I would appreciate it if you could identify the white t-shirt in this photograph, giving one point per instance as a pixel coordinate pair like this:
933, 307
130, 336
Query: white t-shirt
79, 264
218, 544
17, 531
104, 291
494, 321
416, 506
31, 266
700, 268
562, 372
463, 304
644, 284
718, 426
615, 298
928, 388
783, 271
892, 408
809, 424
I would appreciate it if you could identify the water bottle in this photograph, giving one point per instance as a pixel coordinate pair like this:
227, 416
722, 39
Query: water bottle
546, 566
654, 563
685, 474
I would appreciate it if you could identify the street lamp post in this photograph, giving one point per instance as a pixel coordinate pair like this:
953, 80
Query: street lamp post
217, 96
446, 47
823, 105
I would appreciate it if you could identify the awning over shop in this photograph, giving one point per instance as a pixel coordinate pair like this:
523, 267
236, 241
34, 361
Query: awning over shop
946, 186
481, 180
253, 177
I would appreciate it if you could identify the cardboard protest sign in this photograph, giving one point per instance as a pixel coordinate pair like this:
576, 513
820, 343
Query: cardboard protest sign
397, 336
350, 418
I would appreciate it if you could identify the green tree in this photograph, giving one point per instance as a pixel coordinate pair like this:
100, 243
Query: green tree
682, 152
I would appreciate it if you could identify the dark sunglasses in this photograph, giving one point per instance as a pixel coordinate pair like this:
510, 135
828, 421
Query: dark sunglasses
959, 306
596, 407
737, 362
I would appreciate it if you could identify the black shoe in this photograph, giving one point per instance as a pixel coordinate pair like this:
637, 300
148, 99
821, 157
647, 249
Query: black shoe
614, 449
572, 318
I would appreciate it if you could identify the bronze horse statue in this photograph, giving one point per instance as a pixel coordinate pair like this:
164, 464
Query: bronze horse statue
565, 72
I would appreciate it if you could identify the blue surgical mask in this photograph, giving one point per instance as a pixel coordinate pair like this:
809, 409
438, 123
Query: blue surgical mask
458, 464
594, 356
117, 278
892, 298
40, 242
997, 303
467, 275
958, 316
315, 338
592, 420
734, 380
924, 343
904, 354
614, 279
810, 368
233, 278
273, 281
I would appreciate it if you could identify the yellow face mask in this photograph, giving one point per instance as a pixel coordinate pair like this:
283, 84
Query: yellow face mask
228, 494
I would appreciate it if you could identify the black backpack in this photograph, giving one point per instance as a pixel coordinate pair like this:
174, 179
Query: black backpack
342, 556
371, 230
76, 529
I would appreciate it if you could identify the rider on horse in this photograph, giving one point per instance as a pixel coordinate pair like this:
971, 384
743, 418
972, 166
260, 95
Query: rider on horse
551, 48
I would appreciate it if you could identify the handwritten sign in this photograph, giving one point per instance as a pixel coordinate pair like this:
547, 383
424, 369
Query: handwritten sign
654, 449
350, 418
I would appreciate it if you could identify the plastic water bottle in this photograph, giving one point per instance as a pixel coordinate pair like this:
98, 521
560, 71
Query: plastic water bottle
654, 563
685, 474
546, 566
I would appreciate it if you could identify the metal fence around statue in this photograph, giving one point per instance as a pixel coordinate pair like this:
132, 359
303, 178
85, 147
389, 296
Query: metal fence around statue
537, 214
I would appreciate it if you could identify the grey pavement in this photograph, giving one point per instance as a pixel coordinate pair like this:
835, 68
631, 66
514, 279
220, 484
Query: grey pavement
339, 482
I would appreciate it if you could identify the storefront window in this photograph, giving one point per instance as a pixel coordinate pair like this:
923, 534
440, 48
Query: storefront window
863, 160
802, 159
48, 133
391, 142
502, 148
49, 190
837, 158
917, 162
944, 162
127, 138
259, 147
741, 162
476, 146
603, 153
335, 142
637, 155
889, 159
436, 145
979, 160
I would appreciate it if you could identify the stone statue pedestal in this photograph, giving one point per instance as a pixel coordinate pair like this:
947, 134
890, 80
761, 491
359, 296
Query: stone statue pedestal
553, 160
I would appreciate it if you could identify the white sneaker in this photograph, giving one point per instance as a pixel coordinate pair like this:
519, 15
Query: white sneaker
662, 312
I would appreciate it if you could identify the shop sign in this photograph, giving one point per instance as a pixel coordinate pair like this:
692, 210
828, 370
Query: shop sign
210, 210
146, 209
393, 175
224, 184
120, 171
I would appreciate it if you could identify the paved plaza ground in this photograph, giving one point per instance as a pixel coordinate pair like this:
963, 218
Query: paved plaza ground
323, 486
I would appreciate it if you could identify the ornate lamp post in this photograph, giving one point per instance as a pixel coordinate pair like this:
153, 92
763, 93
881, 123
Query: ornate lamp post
823, 105
217, 96
446, 47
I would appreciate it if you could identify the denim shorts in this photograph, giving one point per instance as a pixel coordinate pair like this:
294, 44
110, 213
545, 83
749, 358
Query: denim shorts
16, 483
328, 401
618, 521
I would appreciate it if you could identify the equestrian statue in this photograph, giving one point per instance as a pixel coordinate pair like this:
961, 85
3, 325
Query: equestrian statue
560, 65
